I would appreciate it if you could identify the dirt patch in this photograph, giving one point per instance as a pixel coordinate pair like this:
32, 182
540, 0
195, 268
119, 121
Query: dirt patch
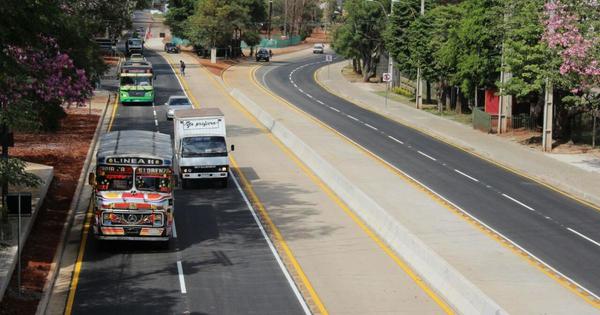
66, 151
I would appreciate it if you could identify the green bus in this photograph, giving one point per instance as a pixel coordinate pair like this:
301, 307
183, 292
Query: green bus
136, 87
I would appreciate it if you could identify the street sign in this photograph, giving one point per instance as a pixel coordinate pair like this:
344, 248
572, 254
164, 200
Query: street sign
329, 58
387, 77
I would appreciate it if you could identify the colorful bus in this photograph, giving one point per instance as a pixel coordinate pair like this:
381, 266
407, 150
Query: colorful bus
136, 83
133, 187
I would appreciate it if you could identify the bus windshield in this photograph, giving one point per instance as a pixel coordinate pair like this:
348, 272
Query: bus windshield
153, 179
114, 177
203, 146
141, 81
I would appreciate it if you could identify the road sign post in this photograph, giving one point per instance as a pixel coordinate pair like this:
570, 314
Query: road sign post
387, 78
328, 59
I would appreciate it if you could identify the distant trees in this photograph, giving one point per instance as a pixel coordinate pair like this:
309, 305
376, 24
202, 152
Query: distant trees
461, 47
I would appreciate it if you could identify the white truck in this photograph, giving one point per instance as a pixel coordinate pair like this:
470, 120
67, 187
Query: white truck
200, 146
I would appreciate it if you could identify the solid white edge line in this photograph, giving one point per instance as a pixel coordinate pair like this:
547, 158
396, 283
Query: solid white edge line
517, 201
474, 218
583, 236
395, 139
427, 156
272, 247
467, 176
181, 280
371, 126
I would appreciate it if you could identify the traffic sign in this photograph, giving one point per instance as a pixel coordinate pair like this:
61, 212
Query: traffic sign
329, 58
387, 77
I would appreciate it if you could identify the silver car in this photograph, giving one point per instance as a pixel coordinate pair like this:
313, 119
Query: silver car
177, 102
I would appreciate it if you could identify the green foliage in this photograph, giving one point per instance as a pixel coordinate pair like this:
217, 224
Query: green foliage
179, 11
214, 21
12, 171
360, 35
395, 35
403, 91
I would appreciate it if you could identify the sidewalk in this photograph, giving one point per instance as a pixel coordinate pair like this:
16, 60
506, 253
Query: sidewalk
580, 181
8, 247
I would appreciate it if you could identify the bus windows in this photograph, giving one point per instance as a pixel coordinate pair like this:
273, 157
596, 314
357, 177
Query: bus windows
114, 177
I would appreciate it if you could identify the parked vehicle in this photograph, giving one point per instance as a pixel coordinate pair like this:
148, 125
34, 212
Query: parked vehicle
133, 187
171, 48
200, 145
177, 102
318, 49
263, 54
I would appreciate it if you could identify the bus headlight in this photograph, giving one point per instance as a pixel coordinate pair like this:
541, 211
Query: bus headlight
158, 219
222, 168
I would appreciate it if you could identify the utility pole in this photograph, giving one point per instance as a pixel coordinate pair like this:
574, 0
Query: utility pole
548, 116
390, 57
270, 16
419, 92
285, 5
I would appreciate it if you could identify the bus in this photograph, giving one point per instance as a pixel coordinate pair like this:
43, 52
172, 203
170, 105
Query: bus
136, 83
133, 187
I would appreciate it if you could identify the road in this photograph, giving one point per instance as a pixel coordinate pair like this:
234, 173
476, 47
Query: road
219, 263
558, 230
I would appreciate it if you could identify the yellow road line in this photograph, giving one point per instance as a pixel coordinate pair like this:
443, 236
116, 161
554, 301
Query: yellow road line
78, 263
279, 240
532, 261
274, 231
114, 112
334, 197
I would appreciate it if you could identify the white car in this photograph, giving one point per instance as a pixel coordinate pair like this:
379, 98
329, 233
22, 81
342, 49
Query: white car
318, 48
177, 102
137, 57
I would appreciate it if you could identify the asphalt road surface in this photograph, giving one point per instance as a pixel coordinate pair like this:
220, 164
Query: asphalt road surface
562, 232
225, 263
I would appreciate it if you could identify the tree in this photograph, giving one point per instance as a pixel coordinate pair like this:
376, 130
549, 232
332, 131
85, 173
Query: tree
214, 21
395, 35
252, 38
360, 35
179, 11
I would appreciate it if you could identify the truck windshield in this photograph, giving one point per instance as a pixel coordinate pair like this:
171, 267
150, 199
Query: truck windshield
135, 42
114, 177
153, 179
203, 147
141, 81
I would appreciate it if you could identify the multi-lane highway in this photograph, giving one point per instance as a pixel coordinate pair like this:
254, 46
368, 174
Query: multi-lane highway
219, 263
560, 231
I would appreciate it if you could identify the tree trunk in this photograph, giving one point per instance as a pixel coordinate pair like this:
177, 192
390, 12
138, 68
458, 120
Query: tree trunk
460, 100
428, 96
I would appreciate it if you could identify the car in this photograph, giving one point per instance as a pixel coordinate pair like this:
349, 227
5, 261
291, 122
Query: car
263, 54
177, 102
318, 49
171, 48
137, 57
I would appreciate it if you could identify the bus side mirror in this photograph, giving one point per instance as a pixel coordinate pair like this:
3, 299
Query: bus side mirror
232, 147
92, 179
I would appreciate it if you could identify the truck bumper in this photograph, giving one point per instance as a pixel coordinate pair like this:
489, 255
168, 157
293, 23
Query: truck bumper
204, 175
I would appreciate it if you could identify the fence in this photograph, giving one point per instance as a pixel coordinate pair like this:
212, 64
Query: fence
278, 43
523, 121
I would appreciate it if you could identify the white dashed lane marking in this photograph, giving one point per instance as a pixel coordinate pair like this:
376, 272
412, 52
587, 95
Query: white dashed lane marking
517, 201
371, 126
181, 280
467, 176
353, 118
335, 109
395, 139
427, 156
583, 236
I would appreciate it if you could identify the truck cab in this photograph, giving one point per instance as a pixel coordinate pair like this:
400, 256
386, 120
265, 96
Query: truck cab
200, 145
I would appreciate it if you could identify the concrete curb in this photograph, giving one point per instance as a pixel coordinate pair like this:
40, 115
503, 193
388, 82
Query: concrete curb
56, 261
447, 281
591, 199
26, 232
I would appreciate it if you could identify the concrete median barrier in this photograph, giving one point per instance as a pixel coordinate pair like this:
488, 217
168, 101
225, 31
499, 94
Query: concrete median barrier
459, 292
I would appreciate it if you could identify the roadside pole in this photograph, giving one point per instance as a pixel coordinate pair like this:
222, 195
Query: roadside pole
387, 78
328, 59
19, 247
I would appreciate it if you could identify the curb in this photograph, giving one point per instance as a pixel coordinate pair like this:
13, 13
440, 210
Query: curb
447, 281
26, 233
56, 261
